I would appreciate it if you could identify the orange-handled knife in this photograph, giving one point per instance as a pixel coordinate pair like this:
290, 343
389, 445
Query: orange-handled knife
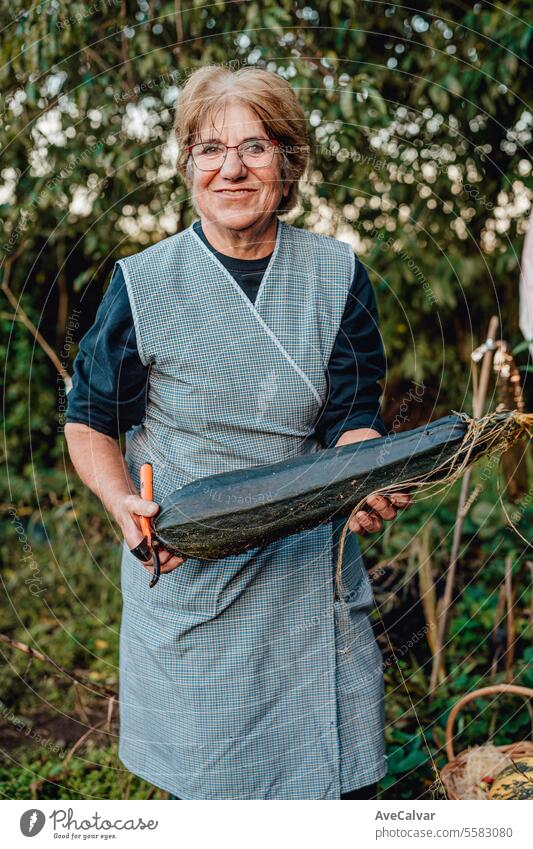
146, 527
146, 493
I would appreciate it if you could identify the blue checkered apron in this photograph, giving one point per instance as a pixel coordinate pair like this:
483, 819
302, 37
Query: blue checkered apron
234, 681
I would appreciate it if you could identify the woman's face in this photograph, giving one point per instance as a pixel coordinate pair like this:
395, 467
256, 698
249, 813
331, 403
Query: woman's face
237, 196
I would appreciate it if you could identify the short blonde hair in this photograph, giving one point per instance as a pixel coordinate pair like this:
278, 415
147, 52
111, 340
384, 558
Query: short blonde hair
267, 94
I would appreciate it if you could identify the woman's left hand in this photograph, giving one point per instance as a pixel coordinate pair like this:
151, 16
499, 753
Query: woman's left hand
381, 507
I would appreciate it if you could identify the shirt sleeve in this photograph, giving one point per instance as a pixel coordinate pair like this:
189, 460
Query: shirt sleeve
356, 364
109, 381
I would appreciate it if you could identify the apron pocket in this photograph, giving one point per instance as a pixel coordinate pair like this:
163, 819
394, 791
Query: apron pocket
190, 588
357, 587
359, 655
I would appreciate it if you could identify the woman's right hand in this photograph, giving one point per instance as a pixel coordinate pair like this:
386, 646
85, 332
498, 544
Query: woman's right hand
131, 507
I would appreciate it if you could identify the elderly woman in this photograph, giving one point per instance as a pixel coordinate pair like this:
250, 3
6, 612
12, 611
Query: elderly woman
239, 341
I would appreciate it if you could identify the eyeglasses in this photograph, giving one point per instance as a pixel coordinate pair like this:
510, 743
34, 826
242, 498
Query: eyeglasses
253, 153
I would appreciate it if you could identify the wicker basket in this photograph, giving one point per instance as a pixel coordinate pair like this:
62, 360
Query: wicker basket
455, 766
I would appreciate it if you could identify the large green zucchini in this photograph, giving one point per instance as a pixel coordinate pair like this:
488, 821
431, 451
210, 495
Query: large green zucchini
231, 512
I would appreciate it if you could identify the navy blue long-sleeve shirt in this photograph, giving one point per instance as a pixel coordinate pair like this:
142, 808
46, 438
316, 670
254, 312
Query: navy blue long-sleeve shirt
110, 383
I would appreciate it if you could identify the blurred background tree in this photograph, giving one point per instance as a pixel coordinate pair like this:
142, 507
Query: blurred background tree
419, 126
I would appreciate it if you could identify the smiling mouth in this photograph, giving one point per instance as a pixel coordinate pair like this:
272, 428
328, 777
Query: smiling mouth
234, 191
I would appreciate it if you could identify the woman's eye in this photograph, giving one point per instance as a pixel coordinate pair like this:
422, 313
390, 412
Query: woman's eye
255, 147
211, 148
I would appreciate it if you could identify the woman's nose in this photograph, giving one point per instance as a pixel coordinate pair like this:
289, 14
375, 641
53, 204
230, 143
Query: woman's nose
233, 165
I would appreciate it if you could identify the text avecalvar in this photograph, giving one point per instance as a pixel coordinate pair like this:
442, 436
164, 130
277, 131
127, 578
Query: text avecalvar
404, 815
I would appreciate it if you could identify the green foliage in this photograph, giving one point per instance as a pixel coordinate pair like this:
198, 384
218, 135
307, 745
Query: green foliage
416, 722
98, 775
418, 131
